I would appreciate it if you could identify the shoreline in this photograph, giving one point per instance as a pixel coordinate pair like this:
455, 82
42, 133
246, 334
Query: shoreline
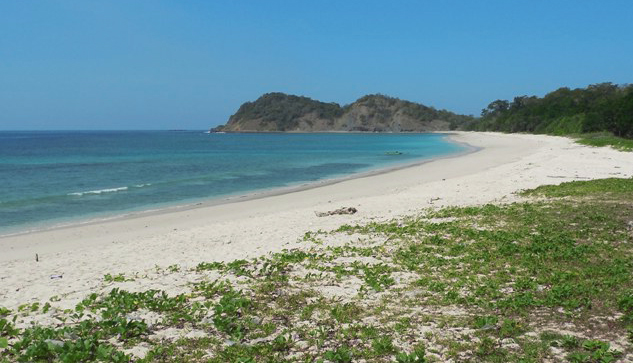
244, 229
205, 202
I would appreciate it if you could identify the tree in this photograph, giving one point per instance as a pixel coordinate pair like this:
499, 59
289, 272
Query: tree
495, 108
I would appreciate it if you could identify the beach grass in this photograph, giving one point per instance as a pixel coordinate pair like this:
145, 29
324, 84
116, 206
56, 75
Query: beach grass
605, 139
547, 278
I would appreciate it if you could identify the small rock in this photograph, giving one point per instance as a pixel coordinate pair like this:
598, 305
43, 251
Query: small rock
139, 351
194, 334
509, 343
57, 343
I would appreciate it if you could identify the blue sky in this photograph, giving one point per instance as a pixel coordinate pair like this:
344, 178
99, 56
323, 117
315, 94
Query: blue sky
155, 64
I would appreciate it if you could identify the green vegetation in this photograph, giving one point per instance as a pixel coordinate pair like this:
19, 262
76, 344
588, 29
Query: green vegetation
285, 110
612, 188
545, 279
605, 139
603, 107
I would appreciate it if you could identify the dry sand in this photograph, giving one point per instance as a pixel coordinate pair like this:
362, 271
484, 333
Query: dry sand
83, 254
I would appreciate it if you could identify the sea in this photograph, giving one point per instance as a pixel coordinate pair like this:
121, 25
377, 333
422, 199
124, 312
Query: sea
53, 178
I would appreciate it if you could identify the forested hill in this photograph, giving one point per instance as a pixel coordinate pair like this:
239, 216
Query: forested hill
599, 107
379, 113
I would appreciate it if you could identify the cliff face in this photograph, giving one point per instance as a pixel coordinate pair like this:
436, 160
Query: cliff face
281, 112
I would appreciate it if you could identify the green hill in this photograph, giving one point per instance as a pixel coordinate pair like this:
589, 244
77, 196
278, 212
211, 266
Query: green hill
376, 113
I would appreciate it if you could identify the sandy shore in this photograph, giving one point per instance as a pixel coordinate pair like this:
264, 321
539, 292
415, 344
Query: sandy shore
83, 254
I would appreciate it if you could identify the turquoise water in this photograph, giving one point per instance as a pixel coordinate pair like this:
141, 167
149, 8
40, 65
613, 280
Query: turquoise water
48, 178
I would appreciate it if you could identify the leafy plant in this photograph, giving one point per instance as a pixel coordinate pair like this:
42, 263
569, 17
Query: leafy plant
116, 278
570, 342
485, 322
383, 345
378, 276
228, 312
345, 313
341, 354
418, 355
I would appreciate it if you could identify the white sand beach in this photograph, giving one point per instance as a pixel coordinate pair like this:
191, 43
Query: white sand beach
83, 254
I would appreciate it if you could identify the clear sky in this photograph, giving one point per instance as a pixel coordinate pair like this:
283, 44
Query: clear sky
157, 64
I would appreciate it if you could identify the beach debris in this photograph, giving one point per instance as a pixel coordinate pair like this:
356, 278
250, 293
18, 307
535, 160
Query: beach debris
54, 342
56, 277
344, 210
37, 258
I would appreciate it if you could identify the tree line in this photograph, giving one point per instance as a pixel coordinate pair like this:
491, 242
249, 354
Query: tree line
599, 107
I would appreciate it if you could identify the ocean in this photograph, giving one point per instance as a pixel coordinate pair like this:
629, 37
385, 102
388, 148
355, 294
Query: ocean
49, 178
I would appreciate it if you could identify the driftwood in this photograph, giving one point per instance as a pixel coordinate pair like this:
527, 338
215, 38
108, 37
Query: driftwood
347, 210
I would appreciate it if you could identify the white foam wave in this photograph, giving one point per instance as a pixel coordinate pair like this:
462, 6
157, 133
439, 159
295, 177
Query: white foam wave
100, 191
142, 185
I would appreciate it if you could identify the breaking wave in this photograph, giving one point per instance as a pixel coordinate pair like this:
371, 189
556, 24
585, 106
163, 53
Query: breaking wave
109, 190
100, 191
